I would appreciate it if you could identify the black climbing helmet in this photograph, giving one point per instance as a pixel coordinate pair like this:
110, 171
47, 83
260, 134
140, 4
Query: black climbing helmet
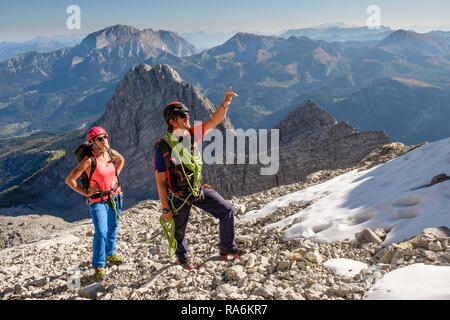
173, 110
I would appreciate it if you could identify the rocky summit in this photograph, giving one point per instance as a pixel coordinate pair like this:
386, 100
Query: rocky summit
56, 264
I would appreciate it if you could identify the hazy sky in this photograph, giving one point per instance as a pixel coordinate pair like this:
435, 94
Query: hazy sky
21, 20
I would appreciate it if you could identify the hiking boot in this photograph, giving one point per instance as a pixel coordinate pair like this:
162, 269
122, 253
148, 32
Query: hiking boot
114, 259
99, 274
186, 263
234, 254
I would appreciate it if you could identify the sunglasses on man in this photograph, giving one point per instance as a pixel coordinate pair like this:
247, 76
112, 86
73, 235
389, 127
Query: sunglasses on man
182, 114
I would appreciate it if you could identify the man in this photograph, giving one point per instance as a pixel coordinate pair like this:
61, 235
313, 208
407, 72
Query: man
178, 179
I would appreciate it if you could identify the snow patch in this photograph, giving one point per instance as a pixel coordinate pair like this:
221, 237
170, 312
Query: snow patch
415, 282
381, 197
345, 267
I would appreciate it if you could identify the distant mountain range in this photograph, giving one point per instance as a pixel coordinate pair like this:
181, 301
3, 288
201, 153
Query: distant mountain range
9, 50
367, 81
68, 88
271, 73
327, 32
340, 33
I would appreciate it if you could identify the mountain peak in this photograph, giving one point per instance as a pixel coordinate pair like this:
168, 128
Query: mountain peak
305, 118
161, 72
117, 29
402, 33
406, 36
104, 37
243, 41
242, 37
249, 36
300, 39
413, 41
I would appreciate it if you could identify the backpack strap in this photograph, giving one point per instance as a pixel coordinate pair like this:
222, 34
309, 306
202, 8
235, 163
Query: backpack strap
86, 179
114, 163
93, 166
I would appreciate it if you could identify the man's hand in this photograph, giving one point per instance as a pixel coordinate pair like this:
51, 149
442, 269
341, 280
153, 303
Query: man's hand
167, 216
228, 97
219, 115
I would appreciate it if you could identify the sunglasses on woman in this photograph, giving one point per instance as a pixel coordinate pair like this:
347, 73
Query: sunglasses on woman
102, 138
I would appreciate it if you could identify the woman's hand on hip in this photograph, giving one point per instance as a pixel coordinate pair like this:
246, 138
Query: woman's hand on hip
91, 192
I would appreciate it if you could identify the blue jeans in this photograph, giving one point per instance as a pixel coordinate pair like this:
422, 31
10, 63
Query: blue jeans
105, 225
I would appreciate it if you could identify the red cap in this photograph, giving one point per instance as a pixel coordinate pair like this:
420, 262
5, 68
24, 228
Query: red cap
95, 132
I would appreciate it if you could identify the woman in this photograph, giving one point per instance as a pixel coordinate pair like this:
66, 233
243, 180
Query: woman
104, 196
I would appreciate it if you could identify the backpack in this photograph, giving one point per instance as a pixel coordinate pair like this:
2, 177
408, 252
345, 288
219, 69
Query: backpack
83, 151
175, 179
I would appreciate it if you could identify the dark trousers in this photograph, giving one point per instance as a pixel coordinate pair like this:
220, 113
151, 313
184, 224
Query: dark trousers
213, 203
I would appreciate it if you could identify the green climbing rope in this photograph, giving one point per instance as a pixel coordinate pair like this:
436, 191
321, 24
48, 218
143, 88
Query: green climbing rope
112, 200
175, 210
168, 231
190, 160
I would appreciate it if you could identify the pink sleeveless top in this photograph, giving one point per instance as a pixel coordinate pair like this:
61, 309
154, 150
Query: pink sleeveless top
104, 178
